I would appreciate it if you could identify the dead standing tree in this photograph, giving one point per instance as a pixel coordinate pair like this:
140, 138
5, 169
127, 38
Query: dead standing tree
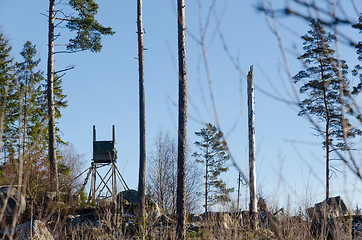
252, 181
182, 120
142, 167
53, 167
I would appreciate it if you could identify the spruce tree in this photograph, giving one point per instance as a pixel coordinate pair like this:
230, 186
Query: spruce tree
25, 137
322, 80
7, 95
213, 155
29, 90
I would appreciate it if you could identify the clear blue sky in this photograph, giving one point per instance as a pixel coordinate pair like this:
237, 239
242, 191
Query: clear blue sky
103, 89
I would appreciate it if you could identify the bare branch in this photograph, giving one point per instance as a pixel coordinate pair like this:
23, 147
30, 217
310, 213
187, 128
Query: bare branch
65, 69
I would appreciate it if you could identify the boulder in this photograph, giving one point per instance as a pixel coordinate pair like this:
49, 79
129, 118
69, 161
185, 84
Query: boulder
12, 201
131, 197
331, 208
82, 222
35, 230
331, 216
223, 219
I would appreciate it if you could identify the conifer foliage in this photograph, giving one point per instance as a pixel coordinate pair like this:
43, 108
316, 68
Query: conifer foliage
89, 31
358, 67
326, 87
7, 93
88, 37
213, 155
24, 138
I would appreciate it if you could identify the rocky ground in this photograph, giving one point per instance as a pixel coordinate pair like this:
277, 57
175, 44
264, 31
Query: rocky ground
106, 220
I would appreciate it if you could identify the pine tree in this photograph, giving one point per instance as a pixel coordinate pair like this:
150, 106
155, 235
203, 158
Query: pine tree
358, 68
213, 156
321, 82
88, 37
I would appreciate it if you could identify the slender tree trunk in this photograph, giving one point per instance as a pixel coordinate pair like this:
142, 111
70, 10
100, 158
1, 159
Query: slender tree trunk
3, 114
328, 121
53, 168
239, 180
206, 182
142, 167
25, 113
327, 160
252, 184
182, 120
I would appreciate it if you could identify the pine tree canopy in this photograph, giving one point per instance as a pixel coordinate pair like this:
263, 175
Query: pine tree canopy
325, 85
213, 155
88, 29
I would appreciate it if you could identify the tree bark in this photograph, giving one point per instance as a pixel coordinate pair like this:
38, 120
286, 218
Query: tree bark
206, 182
142, 167
252, 181
326, 109
53, 168
327, 160
182, 121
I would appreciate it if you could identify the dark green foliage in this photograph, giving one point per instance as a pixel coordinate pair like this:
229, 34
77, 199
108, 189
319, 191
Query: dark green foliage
358, 68
63, 169
7, 94
59, 101
88, 30
29, 96
321, 83
25, 133
213, 155
32, 94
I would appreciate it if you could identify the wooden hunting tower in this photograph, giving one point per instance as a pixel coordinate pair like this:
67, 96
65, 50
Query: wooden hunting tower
104, 151
104, 186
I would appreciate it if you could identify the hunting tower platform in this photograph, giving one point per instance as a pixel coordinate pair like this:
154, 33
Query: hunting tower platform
104, 186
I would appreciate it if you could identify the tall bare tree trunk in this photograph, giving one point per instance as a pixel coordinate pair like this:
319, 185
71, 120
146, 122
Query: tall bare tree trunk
252, 181
142, 167
182, 124
53, 168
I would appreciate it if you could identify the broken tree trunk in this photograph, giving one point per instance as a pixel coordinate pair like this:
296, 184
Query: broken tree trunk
252, 181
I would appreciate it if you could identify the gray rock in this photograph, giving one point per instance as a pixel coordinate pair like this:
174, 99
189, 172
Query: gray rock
223, 219
12, 201
331, 208
35, 230
52, 196
330, 216
82, 222
131, 196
